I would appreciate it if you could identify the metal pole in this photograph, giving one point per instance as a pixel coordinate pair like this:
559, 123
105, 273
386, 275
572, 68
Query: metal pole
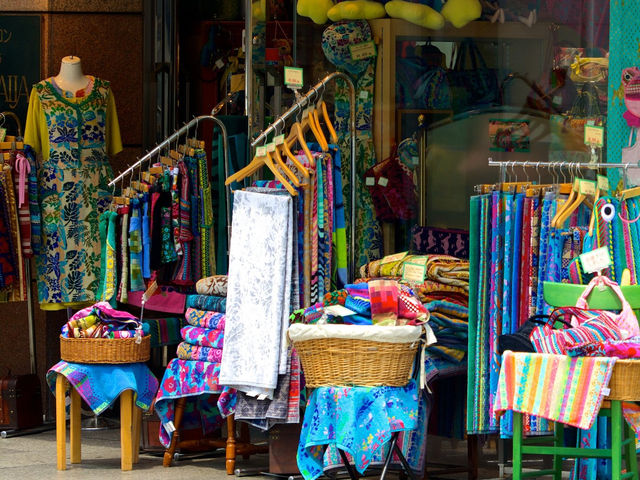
32, 338
527, 164
296, 107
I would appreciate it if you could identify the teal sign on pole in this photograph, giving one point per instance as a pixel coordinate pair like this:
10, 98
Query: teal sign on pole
624, 51
19, 64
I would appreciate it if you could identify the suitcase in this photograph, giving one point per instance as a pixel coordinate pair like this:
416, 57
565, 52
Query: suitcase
20, 402
283, 447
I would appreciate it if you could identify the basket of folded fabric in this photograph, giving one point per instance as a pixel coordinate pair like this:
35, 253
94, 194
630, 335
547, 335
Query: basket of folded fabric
100, 334
345, 355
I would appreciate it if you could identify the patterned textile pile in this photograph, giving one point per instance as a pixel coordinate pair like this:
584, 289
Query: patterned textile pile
194, 374
378, 302
445, 295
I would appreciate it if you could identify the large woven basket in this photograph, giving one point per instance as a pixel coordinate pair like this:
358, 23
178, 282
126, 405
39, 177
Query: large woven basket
347, 362
625, 381
105, 350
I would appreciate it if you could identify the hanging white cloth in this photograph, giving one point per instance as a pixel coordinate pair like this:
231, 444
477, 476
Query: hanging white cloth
258, 293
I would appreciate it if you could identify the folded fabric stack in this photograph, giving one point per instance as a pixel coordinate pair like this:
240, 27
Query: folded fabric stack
443, 288
450, 323
378, 302
194, 374
445, 277
203, 337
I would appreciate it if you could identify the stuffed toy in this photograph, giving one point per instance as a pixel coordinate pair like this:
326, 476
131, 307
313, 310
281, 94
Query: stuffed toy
430, 14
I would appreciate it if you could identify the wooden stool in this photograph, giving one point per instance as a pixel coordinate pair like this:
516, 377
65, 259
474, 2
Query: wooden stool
241, 446
130, 421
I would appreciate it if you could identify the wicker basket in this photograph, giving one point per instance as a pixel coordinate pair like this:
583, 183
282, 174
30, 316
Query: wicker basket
346, 362
105, 350
625, 381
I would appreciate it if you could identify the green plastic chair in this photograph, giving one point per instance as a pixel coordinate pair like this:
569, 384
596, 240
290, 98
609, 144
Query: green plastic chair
623, 438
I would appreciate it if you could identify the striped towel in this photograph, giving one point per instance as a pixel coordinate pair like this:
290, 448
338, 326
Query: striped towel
555, 387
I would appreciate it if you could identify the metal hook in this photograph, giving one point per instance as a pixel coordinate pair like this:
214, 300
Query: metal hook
524, 170
538, 172
564, 178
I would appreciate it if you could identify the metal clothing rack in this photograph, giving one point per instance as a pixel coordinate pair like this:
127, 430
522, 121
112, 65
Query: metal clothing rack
27, 268
175, 136
553, 165
311, 95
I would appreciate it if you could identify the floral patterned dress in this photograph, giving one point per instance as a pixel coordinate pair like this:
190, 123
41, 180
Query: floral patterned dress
73, 186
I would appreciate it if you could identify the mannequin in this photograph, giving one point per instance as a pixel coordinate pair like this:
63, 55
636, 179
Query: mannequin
72, 125
71, 77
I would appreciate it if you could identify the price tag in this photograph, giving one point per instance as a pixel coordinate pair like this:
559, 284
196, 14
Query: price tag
338, 311
279, 139
603, 183
170, 427
3, 133
396, 257
383, 181
587, 187
594, 136
261, 151
363, 50
370, 181
364, 95
414, 272
293, 77
595, 260
219, 63
271, 147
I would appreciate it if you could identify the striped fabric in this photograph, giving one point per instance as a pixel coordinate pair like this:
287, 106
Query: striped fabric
555, 387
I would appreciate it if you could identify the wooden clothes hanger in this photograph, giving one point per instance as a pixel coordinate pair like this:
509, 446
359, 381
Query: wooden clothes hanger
296, 134
257, 163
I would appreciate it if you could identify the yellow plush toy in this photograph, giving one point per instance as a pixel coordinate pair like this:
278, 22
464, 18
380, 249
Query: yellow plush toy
316, 10
457, 12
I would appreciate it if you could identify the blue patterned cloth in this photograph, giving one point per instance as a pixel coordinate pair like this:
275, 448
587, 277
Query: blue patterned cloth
210, 303
100, 384
358, 420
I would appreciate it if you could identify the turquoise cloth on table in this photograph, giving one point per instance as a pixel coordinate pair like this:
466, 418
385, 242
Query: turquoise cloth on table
100, 384
358, 420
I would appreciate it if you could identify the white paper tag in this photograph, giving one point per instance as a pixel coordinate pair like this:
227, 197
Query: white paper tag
170, 427
364, 95
383, 181
370, 181
271, 147
219, 63
262, 396
338, 311
261, 151
606, 391
596, 260
279, 139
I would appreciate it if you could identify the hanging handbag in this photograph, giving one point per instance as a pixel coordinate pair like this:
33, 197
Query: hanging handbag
471, 83
392, 189
586, 325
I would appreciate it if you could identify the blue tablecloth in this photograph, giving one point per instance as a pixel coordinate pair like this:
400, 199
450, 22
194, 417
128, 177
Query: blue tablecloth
358, 420
100, 384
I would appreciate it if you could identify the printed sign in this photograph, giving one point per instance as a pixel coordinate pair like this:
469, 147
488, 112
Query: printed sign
594, 136
414, 272
293, 77
363, 50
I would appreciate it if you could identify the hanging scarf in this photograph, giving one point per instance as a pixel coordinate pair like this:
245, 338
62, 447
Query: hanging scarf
182, 233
